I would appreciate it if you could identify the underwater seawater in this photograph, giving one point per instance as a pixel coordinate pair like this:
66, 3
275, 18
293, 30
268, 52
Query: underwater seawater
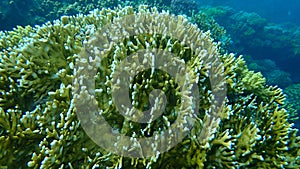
149, 84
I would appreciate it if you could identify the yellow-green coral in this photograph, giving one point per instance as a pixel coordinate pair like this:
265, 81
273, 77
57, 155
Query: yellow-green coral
39, 127
206, 22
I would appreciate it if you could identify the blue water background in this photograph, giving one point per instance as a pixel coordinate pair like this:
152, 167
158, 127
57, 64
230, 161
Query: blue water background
274, 10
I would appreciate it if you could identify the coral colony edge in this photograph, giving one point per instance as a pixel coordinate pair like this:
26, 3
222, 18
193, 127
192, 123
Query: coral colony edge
39, 72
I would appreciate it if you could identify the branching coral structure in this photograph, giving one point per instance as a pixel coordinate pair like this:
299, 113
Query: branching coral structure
42, 72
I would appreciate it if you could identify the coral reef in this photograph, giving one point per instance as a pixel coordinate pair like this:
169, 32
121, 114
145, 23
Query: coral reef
39, 127
218, 33
293, 99
20, 12
292, 92
251, 34
273, 75
241, 25
183, 7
